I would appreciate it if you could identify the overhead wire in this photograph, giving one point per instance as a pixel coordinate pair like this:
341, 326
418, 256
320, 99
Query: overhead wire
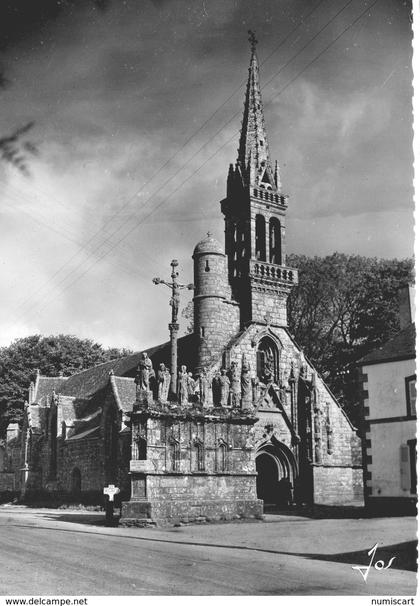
172, 157
133, 227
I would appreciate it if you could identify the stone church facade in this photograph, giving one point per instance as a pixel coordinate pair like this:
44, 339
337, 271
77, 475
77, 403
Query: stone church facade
251, 420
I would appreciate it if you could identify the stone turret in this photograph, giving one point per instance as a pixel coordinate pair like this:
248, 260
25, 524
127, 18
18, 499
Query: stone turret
215, 315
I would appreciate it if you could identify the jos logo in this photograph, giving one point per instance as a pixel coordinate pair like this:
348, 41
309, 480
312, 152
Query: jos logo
379, 564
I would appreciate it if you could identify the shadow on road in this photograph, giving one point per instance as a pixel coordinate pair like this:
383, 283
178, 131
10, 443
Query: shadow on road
406, 553
405, 556
320, 512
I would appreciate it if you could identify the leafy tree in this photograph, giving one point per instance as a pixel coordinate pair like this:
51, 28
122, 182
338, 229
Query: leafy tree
188, 314
51, 356
344, 307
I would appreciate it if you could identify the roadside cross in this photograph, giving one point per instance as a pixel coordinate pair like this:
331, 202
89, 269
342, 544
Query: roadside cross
111, 491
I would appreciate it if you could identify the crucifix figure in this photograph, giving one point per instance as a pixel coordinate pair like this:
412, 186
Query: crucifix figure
176, 287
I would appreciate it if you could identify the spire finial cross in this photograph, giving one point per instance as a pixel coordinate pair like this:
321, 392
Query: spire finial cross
252, 39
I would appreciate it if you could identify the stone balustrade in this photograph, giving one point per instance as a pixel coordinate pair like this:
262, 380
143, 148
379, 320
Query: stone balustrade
269, 271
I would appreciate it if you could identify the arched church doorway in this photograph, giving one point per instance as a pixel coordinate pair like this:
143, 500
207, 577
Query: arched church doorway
276, 473
267, 478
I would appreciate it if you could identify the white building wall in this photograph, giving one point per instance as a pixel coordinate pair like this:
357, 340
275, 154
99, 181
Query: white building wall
389, 428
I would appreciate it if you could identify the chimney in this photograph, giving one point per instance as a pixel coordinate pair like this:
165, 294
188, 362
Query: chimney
407, 305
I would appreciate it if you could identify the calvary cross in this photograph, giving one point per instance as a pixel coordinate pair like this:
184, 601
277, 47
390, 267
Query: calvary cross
111, 491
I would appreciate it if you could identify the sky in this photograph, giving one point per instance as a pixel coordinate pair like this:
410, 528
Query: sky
136, 110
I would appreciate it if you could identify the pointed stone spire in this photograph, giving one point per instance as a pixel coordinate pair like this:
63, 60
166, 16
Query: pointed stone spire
253, 154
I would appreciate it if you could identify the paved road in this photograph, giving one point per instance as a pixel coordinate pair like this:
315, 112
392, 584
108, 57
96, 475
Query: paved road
48, 552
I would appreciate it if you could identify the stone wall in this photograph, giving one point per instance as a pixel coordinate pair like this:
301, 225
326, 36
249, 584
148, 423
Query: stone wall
197, 464
268, 304
337, 485
174, 498
85, 455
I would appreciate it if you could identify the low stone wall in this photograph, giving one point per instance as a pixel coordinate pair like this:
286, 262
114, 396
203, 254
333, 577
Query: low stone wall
176, 498
337, 485
166, 512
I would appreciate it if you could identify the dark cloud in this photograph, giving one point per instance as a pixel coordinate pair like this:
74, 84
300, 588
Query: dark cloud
20, 18
138, 108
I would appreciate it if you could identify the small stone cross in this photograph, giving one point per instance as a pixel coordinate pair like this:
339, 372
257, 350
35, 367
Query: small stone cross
111, 491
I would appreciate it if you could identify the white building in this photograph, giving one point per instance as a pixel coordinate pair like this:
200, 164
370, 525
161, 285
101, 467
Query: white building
389, 445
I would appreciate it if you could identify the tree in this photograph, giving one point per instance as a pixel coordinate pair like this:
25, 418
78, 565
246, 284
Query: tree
51, 356
344, 307
188, 314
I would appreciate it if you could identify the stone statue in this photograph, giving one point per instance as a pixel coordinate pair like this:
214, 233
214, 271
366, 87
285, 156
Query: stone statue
255, 390
269, 366
216, 389
235, 384
246, 385
183, 386
145, 373
164, 379
204, 390
191, 386
224, 387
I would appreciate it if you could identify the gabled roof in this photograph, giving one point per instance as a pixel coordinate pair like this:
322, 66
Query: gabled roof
124, 390
401, 347
44, 387
88, 382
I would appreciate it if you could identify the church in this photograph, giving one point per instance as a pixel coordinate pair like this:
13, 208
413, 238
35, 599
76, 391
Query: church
215, 424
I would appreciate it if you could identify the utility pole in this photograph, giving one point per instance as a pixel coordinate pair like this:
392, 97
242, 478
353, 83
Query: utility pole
174, 326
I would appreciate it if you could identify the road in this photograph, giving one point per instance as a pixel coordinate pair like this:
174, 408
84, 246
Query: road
56, 552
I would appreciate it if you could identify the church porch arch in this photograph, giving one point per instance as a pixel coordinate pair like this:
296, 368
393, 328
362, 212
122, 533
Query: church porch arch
276, 473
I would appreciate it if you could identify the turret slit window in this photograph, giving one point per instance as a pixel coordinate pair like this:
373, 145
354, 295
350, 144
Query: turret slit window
260, 238
275, 243
207, 268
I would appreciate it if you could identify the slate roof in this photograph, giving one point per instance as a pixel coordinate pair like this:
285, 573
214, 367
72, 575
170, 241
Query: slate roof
88, 382
401, 347
46, 385
124, 390
82, 425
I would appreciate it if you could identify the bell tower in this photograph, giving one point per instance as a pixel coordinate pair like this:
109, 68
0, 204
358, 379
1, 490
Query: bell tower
255, 211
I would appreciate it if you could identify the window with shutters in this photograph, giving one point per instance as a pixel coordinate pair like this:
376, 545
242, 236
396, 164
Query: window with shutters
412, 455
411, 395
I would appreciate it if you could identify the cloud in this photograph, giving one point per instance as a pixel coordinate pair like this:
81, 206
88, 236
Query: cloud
116, 193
